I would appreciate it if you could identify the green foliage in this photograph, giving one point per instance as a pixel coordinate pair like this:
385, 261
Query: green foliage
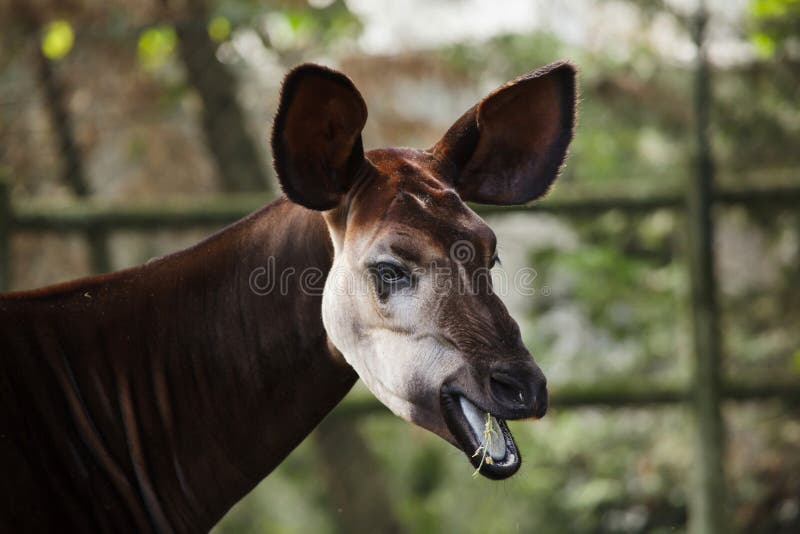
219, 28
291, 501
293, 28
156, 46
774, 27
763, 342
57, 39
623, 282
767, 9
764, 44
566, 482
504, 56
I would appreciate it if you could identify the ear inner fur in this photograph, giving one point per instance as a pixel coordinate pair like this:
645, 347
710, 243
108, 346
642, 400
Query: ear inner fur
508, 148
316, 137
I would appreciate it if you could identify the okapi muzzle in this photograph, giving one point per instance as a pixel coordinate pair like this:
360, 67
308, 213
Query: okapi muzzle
408, 302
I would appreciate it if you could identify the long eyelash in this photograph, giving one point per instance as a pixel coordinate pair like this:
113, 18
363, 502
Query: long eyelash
496, 257
498, 248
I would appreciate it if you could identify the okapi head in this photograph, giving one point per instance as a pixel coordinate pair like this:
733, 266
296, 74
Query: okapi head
408, 301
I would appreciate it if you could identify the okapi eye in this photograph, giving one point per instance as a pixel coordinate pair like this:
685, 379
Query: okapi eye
389, 277
390, 273
494, 261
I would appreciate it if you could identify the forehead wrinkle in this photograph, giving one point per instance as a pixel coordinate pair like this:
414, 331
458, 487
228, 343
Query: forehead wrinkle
446, 224
417, 169
376, 230
416, 198
430, 183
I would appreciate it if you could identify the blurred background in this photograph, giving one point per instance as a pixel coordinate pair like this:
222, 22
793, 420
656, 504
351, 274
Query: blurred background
129, 130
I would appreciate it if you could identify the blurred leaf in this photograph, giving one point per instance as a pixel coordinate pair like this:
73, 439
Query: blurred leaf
764, 44
317, 27
773, 28
57, 39
770, 8
219, 29
155, 46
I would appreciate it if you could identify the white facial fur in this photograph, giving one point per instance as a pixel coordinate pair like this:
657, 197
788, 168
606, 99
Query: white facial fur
394, 345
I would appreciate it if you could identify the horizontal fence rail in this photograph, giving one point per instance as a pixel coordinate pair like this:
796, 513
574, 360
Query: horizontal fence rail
78, 216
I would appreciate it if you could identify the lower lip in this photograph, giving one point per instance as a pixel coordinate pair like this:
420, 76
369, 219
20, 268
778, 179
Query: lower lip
505, 461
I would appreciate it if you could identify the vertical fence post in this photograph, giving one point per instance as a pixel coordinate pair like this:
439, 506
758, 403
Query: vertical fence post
708, 510
5, 233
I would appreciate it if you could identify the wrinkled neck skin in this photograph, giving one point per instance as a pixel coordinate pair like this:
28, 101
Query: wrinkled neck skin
156, 398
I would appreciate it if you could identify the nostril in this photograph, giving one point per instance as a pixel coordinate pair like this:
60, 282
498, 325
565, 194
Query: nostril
507, 390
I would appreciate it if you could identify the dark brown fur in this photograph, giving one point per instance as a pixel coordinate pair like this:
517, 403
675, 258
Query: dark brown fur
153, 399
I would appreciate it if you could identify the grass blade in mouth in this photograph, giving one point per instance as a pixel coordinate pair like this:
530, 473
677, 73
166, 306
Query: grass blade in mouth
489, 434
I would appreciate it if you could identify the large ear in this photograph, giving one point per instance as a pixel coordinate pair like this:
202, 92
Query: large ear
509, 148
316, 136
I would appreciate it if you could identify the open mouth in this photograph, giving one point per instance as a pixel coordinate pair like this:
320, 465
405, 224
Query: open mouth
484, 437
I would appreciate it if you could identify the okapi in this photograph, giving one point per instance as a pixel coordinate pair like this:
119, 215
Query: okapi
154, 398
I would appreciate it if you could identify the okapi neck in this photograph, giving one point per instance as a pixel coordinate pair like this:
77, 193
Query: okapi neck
159, 396
263, 373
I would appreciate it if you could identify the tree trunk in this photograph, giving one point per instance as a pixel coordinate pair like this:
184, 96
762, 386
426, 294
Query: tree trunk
235, 153
71, 160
